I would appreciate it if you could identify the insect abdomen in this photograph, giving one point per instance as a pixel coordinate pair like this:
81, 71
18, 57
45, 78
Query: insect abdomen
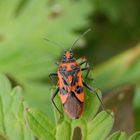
73, 107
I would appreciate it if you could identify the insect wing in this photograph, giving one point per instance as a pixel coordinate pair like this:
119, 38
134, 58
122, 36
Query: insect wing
63, 89
79, 91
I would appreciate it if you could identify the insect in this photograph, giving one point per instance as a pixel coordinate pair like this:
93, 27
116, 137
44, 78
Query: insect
71, 84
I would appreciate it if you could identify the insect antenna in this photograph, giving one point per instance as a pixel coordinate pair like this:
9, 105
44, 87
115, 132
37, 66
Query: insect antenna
88, 30
55, 43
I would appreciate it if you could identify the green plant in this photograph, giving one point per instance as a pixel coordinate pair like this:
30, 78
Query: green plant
13, 125
18, 121
27, 60
25, 57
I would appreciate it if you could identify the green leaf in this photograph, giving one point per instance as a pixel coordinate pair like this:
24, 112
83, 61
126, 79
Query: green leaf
5, 85
117, 136
135, 136
12, 121
63, 131
100, 126
92, 104
94, 129
41, 125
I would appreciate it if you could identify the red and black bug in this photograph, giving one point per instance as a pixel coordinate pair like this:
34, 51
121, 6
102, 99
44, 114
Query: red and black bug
71, 84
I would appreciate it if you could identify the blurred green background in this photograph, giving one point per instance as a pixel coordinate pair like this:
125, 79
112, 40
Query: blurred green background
112, 49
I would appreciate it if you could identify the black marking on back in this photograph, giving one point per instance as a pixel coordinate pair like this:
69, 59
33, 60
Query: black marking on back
63, 69
75, 79
71, 73
63, 91
79, 89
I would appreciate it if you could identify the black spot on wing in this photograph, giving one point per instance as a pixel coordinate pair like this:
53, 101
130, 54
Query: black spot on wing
63, 91
79, 89
66, 83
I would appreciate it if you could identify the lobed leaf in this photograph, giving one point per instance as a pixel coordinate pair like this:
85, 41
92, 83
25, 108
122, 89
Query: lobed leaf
12, 121
100, 126
41, 125
117, 136
135, 136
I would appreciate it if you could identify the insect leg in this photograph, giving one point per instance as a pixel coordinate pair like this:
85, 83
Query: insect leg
88, 70
53, 96
52, 75
87, 67
83, 62
57, 63
93, 90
